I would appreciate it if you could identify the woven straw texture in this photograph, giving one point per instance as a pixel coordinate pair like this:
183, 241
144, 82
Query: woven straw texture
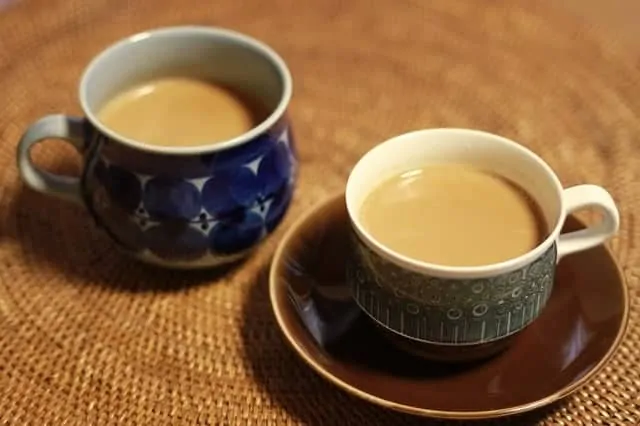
90, 337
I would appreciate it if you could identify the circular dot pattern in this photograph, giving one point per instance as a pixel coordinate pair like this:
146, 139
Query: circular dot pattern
181, 219
171, 198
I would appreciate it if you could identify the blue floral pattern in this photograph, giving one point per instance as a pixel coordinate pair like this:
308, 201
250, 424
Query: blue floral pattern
220, 215
171, 198
123, 187
231, 189
237, 233
175, 240
278, 207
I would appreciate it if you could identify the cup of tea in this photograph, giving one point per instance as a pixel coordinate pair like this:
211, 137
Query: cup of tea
189, 158
457, 234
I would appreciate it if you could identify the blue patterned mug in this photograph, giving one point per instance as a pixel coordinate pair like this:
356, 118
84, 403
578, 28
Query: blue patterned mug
176, 206
462, 313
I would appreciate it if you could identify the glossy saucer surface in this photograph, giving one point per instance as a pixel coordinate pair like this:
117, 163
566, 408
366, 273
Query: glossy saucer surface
569, 343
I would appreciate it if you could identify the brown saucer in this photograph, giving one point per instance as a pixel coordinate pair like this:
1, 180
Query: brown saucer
568, 344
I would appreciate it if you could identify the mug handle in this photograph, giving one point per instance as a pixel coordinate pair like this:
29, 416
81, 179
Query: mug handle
584, 196
69, 129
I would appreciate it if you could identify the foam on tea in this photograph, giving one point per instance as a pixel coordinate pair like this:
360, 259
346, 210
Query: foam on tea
454, 215
180, 111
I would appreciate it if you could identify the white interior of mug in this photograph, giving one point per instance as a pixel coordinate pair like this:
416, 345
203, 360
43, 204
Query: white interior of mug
484, 150
224, 56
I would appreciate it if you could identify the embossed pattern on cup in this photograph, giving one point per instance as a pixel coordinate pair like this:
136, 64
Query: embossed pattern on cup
449, 311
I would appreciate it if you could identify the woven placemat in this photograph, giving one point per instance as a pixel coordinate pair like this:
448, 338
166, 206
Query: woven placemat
90, 337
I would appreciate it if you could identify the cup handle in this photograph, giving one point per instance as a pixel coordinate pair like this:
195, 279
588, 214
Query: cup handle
69, 129
584, 196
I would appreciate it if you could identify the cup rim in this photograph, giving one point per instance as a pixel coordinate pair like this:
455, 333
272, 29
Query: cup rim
444, 271
247, 41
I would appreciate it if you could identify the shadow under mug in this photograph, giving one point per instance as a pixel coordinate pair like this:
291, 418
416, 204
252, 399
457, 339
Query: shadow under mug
464, 313
176, 206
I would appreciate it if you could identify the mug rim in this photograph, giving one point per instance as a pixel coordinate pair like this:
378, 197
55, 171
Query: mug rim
455, 272
203, 31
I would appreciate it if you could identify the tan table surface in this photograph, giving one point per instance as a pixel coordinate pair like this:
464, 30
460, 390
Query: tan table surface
89, 337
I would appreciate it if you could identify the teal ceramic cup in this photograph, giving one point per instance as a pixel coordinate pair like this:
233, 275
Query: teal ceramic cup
460, 313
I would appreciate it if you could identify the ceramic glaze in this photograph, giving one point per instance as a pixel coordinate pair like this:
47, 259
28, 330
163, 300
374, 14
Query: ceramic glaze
178, 206
450, 311
460, 306
206, 210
